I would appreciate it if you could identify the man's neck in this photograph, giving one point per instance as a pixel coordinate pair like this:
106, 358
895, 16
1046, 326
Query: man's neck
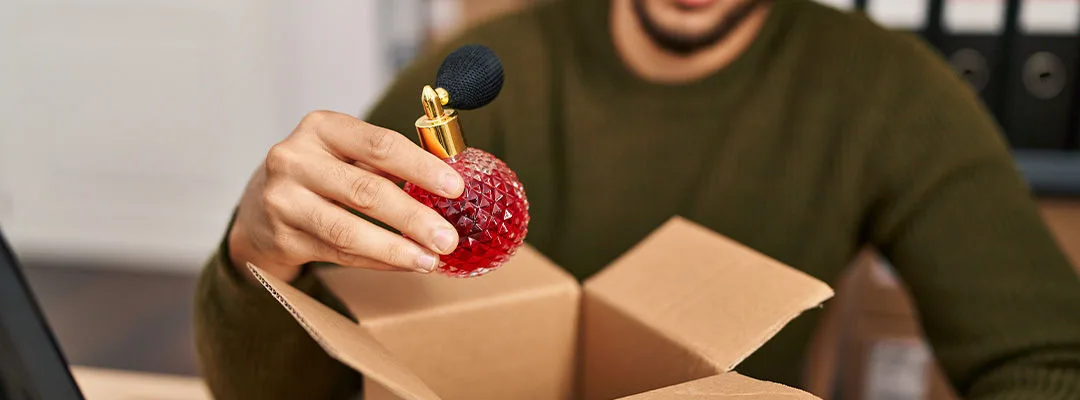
651, 62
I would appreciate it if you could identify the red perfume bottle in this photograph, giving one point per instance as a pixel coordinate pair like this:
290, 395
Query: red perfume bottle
492, 214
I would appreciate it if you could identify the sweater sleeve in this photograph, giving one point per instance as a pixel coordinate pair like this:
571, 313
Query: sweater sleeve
999, 302
250, 347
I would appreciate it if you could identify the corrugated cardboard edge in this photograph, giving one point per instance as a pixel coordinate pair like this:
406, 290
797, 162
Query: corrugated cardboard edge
358, 349
723, 386
769, 333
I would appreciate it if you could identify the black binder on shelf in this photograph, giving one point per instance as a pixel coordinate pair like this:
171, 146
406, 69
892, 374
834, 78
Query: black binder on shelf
1037, 110
1043, 130
969, 35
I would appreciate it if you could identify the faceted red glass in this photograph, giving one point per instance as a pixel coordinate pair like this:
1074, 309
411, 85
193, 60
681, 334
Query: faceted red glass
491, 216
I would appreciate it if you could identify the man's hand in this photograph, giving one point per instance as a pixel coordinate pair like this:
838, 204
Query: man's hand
294, 208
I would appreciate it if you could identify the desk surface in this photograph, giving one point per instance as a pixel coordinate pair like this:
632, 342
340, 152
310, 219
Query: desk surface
106, 384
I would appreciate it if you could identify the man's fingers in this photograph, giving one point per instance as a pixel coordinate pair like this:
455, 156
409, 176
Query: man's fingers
322, 252
387, 151
376, 171
379, 198
350, 234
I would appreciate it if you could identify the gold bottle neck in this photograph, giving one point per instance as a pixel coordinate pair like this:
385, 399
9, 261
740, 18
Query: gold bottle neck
439, 129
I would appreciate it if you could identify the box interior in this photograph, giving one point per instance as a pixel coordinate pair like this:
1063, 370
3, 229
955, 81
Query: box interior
622, 356
499, 336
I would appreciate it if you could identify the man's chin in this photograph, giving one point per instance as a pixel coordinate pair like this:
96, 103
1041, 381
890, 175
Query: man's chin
685, 44
671, 40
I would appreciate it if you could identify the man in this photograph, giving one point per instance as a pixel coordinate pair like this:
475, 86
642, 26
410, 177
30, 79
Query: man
795, 129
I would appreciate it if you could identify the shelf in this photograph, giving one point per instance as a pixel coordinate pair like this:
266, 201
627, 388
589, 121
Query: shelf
1050, 172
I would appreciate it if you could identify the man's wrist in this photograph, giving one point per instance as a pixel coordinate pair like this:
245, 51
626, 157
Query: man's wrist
240, 252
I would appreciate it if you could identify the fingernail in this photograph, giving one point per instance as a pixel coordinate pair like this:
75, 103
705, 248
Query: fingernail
451, 184
445, 240
425, 262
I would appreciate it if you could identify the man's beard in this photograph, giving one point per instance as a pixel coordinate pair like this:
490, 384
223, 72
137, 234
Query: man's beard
685, 45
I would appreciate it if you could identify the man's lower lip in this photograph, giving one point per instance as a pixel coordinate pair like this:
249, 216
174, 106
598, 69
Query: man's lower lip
692, 4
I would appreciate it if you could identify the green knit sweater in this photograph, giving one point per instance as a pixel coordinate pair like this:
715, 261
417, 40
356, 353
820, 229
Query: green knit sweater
829, 133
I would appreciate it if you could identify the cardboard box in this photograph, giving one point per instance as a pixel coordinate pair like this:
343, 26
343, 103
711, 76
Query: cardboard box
883, 352
670, 319
1063, 218
869, 343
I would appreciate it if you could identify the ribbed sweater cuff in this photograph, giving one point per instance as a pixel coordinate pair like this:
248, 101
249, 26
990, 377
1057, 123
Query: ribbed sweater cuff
233, 288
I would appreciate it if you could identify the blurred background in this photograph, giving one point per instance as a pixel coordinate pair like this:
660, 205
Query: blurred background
129, 128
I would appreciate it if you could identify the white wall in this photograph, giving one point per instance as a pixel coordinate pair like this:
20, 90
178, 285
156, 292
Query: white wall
129, 127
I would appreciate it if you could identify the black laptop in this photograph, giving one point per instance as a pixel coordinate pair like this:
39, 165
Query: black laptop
32, 367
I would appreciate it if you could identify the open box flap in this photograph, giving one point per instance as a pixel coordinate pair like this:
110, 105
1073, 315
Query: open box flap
723, 386
374, 295
706, 292
345, 340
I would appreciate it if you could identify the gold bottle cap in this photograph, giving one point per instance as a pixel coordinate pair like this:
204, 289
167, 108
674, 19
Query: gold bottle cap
439, 129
